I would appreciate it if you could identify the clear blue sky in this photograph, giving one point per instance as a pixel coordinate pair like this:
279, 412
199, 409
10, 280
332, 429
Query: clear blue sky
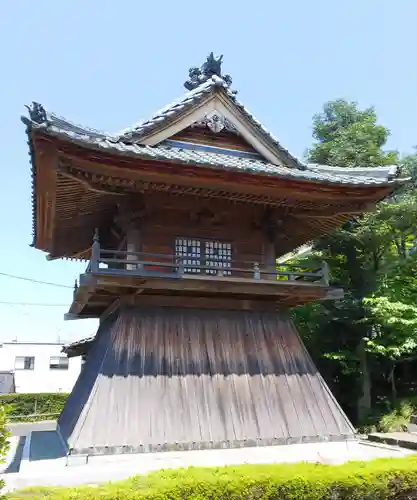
107, 64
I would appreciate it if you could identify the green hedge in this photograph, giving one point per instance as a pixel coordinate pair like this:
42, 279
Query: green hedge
29, 404
377, 479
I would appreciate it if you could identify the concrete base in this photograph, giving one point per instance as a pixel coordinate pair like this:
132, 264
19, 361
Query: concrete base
403, 439
38, 470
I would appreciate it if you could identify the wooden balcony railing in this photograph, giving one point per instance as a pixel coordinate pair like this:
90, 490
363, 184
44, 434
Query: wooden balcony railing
122, 262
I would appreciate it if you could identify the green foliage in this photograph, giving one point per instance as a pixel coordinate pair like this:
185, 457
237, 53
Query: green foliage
4, 433
409, 169
378, 479
393, 308
371, 258
30, 404
349, 137
393, 420
397, 419
4, 437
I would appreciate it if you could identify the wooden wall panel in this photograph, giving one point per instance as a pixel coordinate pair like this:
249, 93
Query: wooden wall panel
174, 217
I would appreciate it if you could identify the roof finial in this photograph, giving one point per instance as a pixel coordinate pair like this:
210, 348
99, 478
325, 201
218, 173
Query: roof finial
211, 67
37, 112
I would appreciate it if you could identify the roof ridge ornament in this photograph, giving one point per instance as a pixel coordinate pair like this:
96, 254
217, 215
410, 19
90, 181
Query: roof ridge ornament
211, 67
37, 112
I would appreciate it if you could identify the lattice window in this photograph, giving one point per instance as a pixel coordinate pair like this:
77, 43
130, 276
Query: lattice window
215, 254
218, 256
190, 252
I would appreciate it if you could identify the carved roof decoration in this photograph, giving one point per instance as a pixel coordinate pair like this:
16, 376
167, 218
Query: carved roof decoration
215, 122
211, 67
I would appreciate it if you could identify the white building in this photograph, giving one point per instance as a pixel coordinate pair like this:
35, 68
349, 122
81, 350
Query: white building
39, 366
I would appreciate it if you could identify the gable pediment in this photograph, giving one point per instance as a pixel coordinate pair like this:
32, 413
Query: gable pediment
213, 134
218, 114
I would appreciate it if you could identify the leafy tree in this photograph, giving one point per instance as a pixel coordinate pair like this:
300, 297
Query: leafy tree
346, 136
393, 306
361, 254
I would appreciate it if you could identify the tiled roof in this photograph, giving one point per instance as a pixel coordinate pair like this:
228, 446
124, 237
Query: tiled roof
171, 112
216, 160
126, 143
78, 347
63, 124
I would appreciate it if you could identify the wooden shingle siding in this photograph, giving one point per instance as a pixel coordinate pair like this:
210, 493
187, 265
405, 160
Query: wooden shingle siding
170, 378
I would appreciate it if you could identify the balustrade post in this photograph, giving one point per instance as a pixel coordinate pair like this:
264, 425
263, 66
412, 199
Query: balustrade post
95, 253
75, 289
256, 271
180, 269
325, 273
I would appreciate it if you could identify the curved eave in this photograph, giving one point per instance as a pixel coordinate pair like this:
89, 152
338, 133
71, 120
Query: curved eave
216, 161
32, 161
38, 234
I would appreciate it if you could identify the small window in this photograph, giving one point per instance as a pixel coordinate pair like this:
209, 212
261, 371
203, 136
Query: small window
24, 363
210, 256
58, 363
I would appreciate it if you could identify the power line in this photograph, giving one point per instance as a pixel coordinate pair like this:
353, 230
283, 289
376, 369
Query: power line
34, 281
6, 303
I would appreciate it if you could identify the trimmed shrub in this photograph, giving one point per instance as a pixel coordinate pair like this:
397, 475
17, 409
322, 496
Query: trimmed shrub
378, 479
30, 404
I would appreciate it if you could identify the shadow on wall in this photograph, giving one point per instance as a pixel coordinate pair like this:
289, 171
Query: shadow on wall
169, 342
7, 383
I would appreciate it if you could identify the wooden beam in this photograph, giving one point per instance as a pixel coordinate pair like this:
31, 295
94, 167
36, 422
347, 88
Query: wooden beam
89, 185
276, 198
110, 309
232, 286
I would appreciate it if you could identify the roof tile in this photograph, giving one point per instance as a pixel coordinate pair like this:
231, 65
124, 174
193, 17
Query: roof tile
317, 173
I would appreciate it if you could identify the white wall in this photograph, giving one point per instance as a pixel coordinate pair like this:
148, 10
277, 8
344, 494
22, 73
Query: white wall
41, 378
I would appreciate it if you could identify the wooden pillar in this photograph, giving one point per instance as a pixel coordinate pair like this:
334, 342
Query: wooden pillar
133, 244
270, 225
95, 253
129, 219
270, 260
